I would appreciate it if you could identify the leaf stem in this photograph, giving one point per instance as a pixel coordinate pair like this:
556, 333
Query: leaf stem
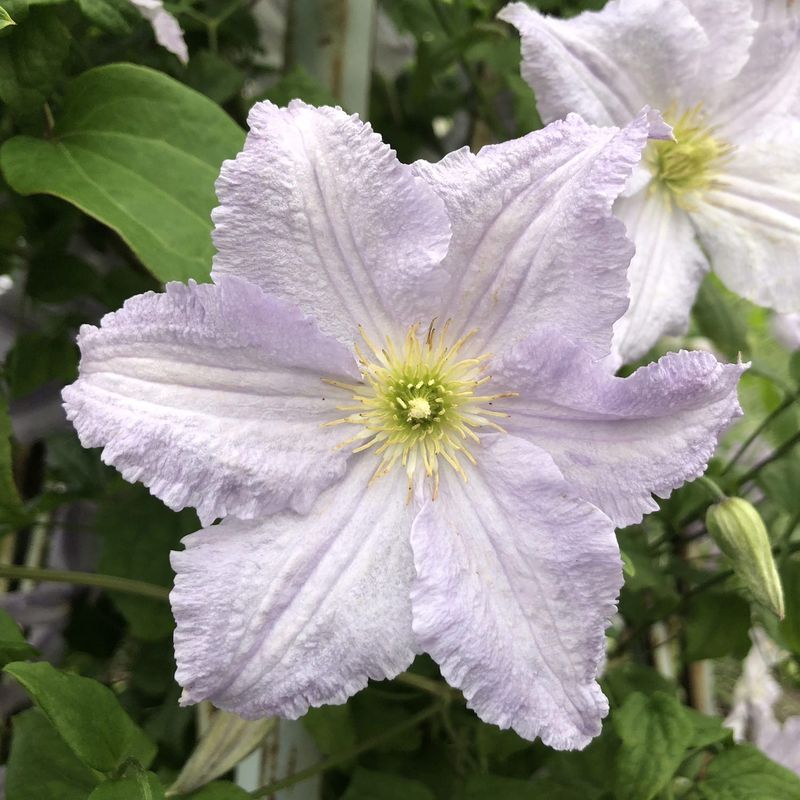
784, 540
632, 634
774, 456
712, 488
50, 122
110, 582
346, 755
429, 685
482, 101
786, 403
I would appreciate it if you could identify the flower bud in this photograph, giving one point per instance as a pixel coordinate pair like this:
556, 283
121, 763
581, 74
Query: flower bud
739, 531
228, 739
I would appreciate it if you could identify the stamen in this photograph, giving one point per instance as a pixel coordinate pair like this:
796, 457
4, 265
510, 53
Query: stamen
417, 402
687, 167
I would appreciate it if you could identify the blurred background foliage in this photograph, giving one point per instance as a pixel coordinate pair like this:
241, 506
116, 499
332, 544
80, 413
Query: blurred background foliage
101, 198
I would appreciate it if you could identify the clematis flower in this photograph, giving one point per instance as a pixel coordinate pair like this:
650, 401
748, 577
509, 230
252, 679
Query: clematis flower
726, 192
752, 717
394, 394
786, 329
166, 28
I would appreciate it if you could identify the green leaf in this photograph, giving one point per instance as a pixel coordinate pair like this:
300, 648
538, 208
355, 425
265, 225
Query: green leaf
498, 744
622, 680
124, 515
589, 772
298, 83
219, 790
655, 733
794, 366
86, 714
12, 227
496, 787
40, 358
114, 16
717, 625
707, 730
140, 152
790, 624
369, 785
373, 715
76, 470
780, 480
214, 76
628, 567
140, 785
13, 646
744, 773
643, 571
331, 727
720, 316
41, 766
60, 278
31, 60
5, 19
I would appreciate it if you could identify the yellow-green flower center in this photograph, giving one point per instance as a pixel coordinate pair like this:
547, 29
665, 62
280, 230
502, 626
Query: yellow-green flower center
418, 403
687, 167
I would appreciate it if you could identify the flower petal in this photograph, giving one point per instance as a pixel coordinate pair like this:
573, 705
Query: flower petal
516, 581
212, 397
749, 223
769, 84
279, 614
606, 65
786, 330
534, 240
166, 28
318, 210
730, 35
664, 275
775, 10
616, 440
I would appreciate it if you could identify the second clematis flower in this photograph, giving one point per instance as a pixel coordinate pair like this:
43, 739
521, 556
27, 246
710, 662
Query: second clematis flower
726, 193
394, 393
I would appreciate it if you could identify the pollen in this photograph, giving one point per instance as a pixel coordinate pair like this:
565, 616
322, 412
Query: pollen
418, 404
418, 408
686, 168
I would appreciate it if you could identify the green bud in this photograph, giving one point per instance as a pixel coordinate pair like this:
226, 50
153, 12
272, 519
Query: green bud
227, 740
738, 529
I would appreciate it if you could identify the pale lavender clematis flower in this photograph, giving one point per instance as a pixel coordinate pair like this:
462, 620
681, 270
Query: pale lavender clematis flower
786, 329
326, 395
755, 695
727, 192
166, 28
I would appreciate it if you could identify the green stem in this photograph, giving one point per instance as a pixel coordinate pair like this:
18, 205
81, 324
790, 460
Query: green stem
783, 550
774, 456
784, 541
49, 120
786, 403
719, 577
483, 102
712, 488
426, 684
346, 755
110, 582
715, 492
